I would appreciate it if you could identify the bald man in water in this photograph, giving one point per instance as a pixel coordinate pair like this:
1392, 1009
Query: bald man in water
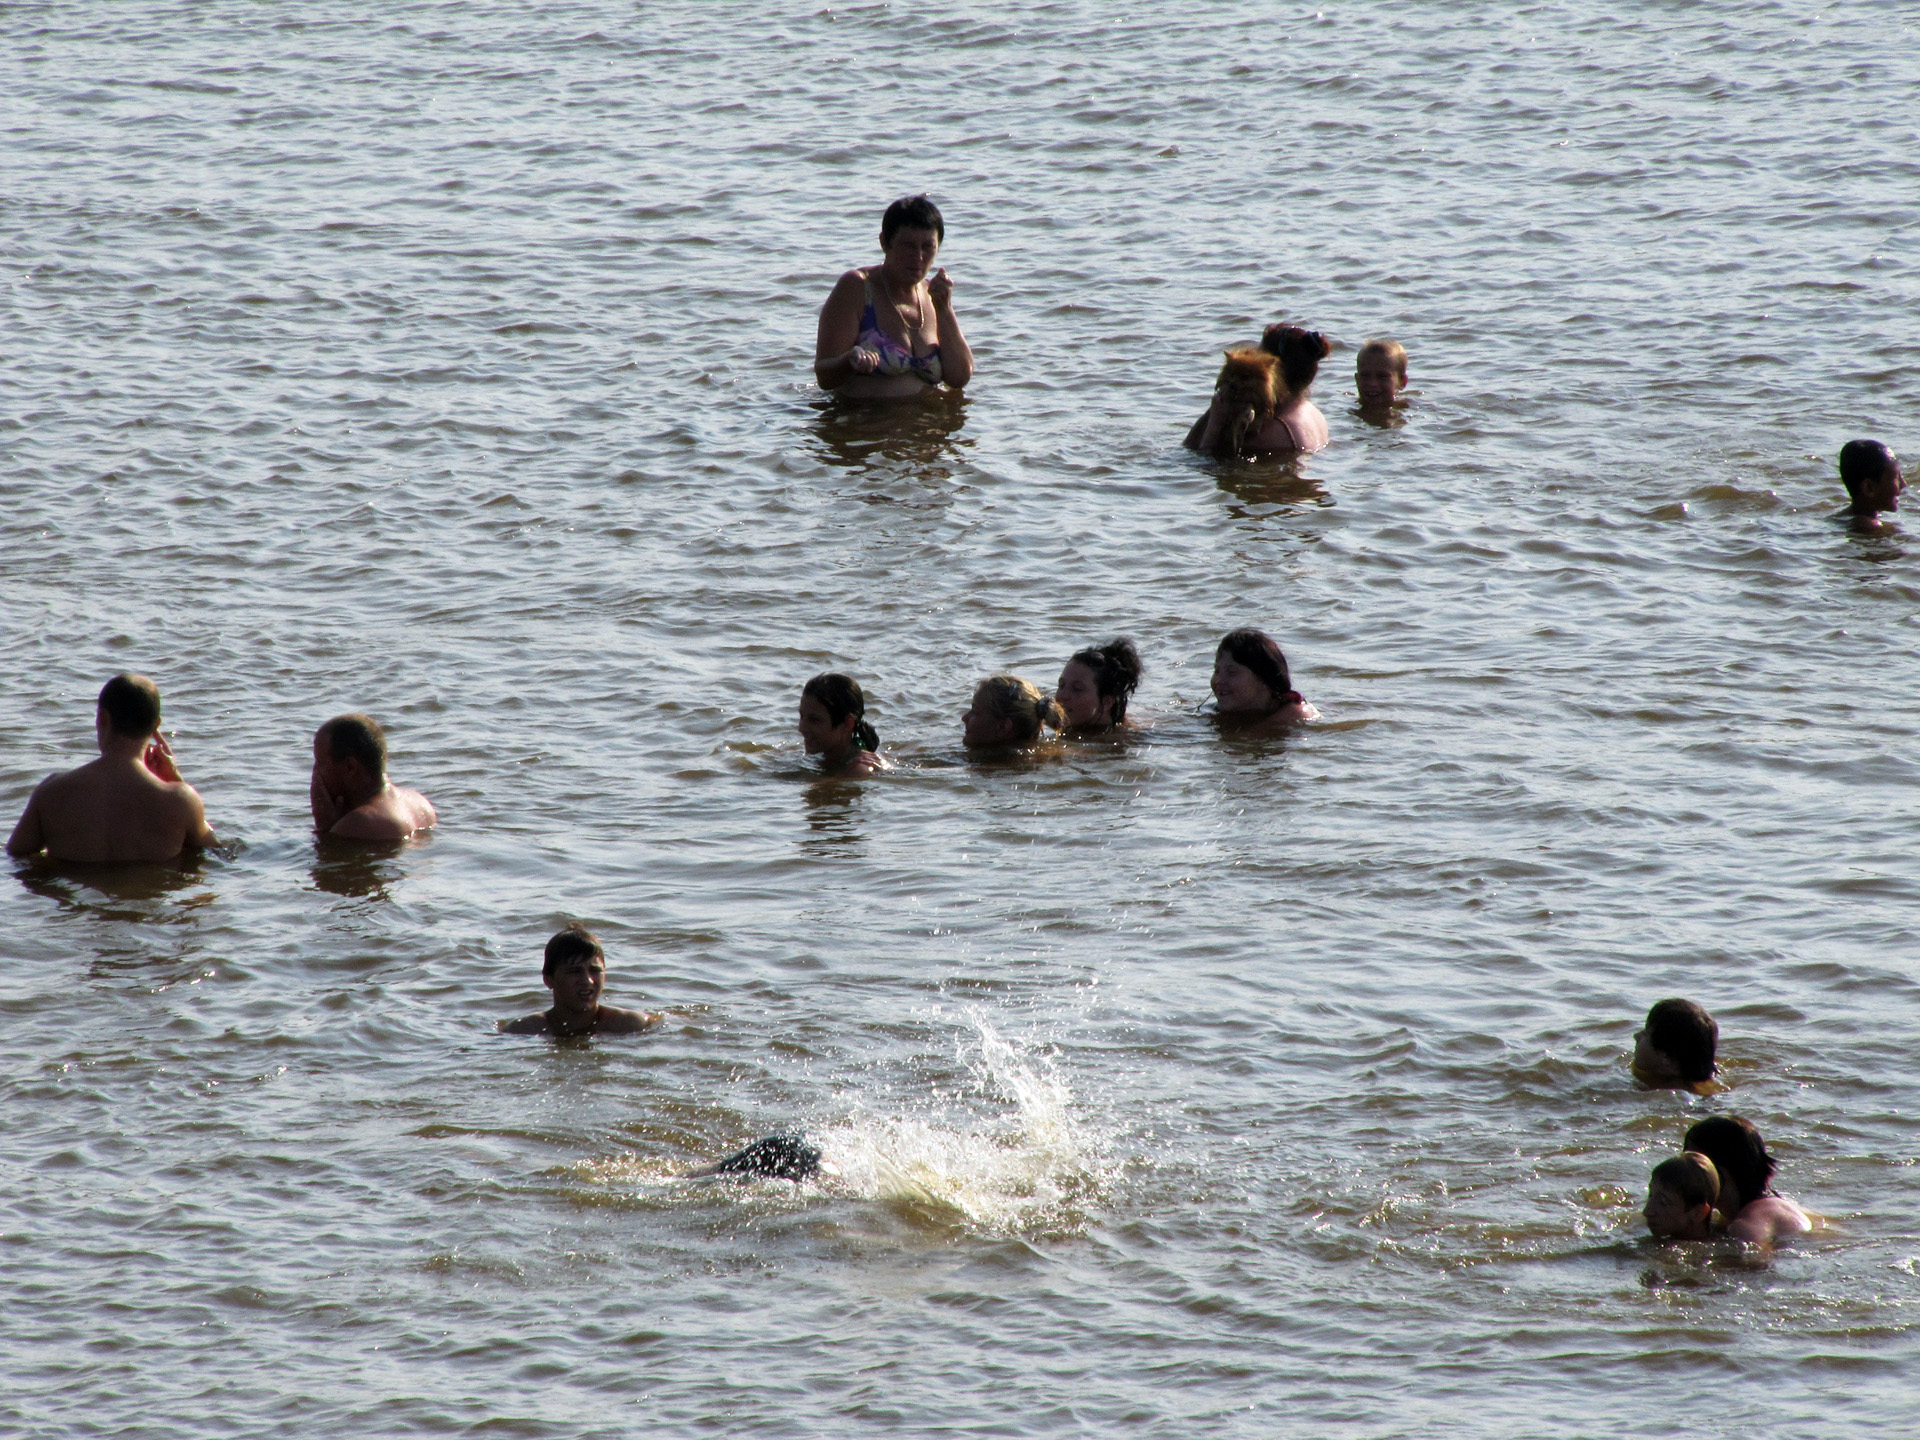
128, 806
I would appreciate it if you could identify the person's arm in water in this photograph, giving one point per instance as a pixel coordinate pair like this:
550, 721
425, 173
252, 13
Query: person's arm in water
158, 758
27, 838
956, 356
1205, 433
838, 355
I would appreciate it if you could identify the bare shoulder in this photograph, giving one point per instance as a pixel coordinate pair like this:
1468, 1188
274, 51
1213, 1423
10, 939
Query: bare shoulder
525, 1025
614, 1021
420, 809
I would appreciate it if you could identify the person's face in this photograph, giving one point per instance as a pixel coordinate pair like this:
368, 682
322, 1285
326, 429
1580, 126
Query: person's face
980, 726
910, 254
577, 983
326, 769
1668, 1217
1079, 695
1376, 380
817, 730
1650, 1063
1884, 493
1237, 688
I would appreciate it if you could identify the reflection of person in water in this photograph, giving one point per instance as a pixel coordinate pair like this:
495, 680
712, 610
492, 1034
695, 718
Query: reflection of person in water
575, 970
130, 805
888, 331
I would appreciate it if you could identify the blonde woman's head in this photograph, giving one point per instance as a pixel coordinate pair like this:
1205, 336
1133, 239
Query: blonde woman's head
1007, 710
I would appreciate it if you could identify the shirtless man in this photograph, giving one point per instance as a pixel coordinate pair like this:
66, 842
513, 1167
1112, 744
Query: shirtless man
575, 970
130, 805
351, 795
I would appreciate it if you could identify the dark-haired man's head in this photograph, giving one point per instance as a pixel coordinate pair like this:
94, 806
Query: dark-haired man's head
130, 704
1871, 473
1677, 1044
1738, 1154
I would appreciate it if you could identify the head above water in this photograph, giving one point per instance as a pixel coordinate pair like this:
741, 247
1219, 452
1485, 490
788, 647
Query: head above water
359, 738
130, 704
1111, 671
1380, 371
841, 697
575, 945
1256, 652
912, 212
1739, 1154
1300, 351
1007, 710
1871, 473
1684, 1036
1680, 1197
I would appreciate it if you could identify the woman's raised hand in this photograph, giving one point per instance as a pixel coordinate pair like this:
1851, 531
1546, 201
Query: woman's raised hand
940, 288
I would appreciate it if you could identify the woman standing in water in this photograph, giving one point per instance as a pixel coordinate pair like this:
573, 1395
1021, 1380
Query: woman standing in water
888, 332
1297, 426
1252, 687
833, 726
1094, 687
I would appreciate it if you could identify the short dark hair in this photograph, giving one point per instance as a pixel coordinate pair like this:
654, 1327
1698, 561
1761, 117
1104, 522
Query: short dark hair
1687, 1035
131, 704
841, 696
1261, 654
358, 737
1861, 463
576, 942
1300, 351
1737, 1152
912, 212
1116, 672
1692, 1176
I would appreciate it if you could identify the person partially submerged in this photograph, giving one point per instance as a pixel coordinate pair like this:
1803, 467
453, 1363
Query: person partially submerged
1680, 1196
1675, 1049
833, 725
575, 970
1871, 473
351, 796
1749, 1210
777, 1157
130, 805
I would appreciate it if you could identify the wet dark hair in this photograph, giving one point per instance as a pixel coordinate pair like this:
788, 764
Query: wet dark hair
1300, 352
131, 704
1861, 463
1257, 650
912, 212
778, 1157
1737, 1152
1687, 1035
576, 942
840, 696
1116, 672
1692, 1176
358, 737
1011, 698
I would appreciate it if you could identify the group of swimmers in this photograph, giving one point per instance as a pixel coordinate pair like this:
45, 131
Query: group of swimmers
889, 332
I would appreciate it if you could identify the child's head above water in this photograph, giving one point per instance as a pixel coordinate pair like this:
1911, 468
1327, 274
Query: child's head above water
1380, 372
1680, 1197
1677, 1045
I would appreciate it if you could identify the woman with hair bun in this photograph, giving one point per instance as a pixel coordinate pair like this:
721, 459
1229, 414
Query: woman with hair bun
1297, 426
833, 726
1252, 687
1094, 687
1007, 713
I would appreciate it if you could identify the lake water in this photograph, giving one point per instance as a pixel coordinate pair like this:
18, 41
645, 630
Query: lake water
451, 361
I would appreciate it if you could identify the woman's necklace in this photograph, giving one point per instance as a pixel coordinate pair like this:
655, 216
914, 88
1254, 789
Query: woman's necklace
906, 330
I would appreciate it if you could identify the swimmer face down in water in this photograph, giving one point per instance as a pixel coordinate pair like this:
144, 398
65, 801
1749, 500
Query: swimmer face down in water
574, 968
778, 1157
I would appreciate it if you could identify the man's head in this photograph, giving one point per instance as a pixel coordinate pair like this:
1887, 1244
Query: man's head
1739, 1156
1871, 473
1680, 1196
575, 968
130, 707
1677, 1045
350, 757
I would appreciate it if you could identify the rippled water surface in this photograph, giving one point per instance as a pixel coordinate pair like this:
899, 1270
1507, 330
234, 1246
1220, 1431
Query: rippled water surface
451, 361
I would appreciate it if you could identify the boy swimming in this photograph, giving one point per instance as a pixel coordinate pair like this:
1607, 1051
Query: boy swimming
575, 970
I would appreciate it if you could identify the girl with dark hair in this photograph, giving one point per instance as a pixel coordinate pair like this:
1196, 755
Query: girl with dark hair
833, 726
1297, 426
1007, 713
888, 332
1251, 684
1749, 1210
1094, 687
